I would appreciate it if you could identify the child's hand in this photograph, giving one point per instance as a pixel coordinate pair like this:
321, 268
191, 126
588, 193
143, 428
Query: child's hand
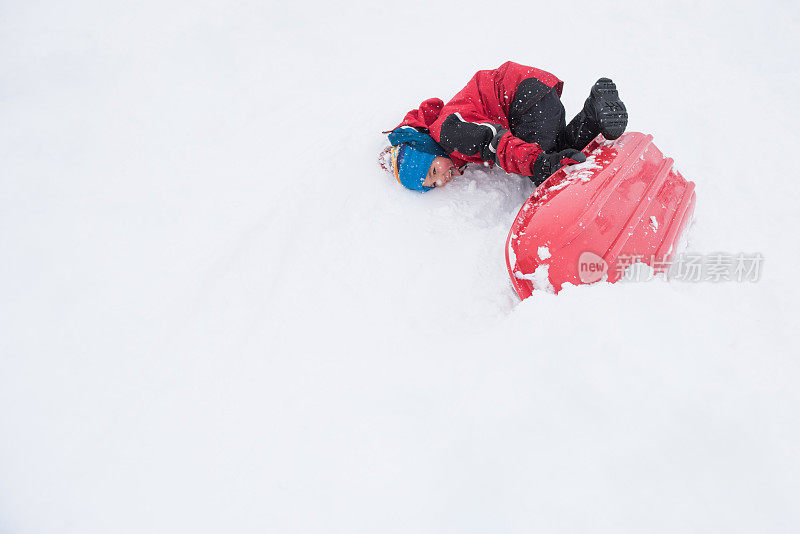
546, 164
570, 156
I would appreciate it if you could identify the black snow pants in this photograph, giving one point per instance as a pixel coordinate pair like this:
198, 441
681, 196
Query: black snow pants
538, 116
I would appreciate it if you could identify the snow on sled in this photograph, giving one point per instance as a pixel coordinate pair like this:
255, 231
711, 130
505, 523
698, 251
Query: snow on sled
588, 222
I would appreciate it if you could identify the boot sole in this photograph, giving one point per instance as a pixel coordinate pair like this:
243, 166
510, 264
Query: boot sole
611, 113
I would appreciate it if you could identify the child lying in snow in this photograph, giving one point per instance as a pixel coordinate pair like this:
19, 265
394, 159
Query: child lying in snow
512, 116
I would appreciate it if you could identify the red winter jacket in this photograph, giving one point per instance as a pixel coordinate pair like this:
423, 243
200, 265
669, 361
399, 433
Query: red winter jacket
474, 125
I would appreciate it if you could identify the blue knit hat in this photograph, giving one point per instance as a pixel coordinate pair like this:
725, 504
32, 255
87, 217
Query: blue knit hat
412, 156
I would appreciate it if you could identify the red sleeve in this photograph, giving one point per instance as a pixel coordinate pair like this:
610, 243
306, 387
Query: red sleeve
516, 156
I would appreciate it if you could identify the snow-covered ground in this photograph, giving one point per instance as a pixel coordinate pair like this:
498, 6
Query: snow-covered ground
217, 314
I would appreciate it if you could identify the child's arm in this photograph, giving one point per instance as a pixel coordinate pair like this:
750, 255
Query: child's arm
474, 137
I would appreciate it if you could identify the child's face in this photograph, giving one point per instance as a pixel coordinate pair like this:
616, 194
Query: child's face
441, 171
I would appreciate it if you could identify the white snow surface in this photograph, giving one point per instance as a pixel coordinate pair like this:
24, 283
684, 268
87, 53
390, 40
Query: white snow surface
543, 253
219, 314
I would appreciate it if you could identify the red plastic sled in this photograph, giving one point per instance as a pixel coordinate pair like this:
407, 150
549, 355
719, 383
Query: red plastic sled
588, 222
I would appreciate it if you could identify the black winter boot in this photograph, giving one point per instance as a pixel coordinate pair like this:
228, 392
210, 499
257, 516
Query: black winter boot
603, 112
605, 108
